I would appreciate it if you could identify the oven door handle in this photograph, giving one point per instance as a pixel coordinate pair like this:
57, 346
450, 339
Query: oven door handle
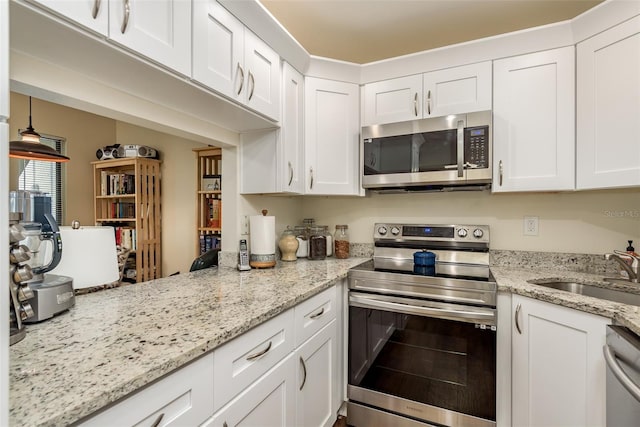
471, 316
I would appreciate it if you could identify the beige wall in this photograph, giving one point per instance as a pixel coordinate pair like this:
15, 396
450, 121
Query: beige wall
575, 222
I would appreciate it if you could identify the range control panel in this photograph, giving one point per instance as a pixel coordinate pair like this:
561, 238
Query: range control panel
431, 232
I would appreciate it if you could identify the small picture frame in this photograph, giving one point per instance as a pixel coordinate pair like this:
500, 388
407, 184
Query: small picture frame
211, 183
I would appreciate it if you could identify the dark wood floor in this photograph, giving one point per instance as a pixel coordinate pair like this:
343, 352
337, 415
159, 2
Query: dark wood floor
340, 422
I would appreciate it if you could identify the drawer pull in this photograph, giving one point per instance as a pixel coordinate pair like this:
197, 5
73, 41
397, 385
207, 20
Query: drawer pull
156, 423
517, 316
318, 314
254, 356
304, 372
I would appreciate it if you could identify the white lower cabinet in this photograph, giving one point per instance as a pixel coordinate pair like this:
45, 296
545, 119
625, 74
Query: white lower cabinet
318, 379
269, 402
558, 370
182, 398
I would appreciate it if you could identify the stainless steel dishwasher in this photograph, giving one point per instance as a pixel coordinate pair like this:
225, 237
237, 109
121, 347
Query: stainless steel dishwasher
622, 354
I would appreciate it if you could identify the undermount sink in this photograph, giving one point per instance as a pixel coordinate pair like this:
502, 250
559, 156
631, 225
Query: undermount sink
590, 290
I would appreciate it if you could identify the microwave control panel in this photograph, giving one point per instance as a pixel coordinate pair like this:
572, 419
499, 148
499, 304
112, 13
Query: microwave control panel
476, 146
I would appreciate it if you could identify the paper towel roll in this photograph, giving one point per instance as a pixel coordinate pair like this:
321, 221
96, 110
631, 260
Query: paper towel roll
89, 256
262, 231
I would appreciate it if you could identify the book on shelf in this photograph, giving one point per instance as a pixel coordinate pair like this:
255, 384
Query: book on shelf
214, 212
122, 210
113, 184
126, 237
208, 242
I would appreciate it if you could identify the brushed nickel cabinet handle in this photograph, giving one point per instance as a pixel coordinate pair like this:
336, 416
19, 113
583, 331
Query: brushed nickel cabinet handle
224, 424
96, 9
318, 314
253, 85
241, 71
125, 21
500, 170
290, 174
254, 356
156, 423
311, 174
429, 102
517, 316
304, 372
415, 104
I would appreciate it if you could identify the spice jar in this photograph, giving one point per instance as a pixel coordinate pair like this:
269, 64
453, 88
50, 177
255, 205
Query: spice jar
317, 244
302, 235
341, 239
288, 245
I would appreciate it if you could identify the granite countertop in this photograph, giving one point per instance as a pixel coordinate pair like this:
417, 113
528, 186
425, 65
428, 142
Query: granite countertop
117, 340
515, 280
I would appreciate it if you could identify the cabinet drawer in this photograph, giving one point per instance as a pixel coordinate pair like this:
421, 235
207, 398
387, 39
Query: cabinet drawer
184, 397
313, 314
243, 360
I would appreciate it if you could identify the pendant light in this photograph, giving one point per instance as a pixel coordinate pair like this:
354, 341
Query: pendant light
30, 147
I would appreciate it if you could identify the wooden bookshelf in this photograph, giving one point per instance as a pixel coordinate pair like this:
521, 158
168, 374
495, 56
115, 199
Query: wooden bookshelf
127, 197
208, 198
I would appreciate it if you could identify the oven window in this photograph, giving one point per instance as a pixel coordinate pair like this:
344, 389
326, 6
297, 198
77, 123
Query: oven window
438, 362
437, 150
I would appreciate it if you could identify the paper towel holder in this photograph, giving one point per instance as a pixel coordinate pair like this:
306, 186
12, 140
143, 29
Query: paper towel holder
257, 260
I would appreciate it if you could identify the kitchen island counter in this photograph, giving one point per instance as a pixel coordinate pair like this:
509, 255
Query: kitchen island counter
118, 340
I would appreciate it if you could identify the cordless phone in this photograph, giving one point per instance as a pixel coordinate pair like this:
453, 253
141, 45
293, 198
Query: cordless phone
243, 256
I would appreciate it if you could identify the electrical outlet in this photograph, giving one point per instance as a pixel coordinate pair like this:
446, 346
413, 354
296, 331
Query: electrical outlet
530, 225
244, 225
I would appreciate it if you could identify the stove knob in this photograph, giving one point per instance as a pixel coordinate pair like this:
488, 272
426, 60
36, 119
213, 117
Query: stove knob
395, 231
477, 233
382, 230
462, 232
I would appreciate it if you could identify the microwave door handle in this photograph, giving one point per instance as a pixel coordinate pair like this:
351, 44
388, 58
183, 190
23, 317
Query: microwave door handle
460, 148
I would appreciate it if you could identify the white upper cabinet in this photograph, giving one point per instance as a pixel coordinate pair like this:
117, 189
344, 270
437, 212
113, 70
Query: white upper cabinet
92, 14
438, 93
608, 115
291, 147
533, 122
332, 132
159, 30
232, 60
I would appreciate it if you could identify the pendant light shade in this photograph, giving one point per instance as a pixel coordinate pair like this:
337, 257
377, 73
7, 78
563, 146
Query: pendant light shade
30, 148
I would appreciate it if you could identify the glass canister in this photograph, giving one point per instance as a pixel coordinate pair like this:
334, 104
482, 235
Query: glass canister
329, 237
317, 243
302, 235
341, 241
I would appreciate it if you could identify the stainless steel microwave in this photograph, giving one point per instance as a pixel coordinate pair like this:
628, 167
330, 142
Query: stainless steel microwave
442, 153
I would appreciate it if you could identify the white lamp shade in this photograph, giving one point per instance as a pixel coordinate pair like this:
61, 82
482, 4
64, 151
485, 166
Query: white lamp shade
89, 256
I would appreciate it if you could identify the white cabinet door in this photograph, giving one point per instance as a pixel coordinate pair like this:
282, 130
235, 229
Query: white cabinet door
92, 14
159, 30
269, 402
394, 100
608, 124
317, 379
182, 398
332, 129
533, 122
218, 49
557, 365
263, 76
291, 147
457, 90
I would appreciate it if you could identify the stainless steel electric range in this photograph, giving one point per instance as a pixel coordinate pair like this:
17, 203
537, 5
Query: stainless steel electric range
422, 342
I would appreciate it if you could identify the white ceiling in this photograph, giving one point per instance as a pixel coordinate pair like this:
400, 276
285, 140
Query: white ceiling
363, 31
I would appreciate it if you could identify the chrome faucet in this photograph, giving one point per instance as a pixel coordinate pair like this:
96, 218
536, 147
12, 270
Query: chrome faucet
632, 270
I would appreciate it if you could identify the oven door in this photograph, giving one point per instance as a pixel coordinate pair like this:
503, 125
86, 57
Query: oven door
426, 360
